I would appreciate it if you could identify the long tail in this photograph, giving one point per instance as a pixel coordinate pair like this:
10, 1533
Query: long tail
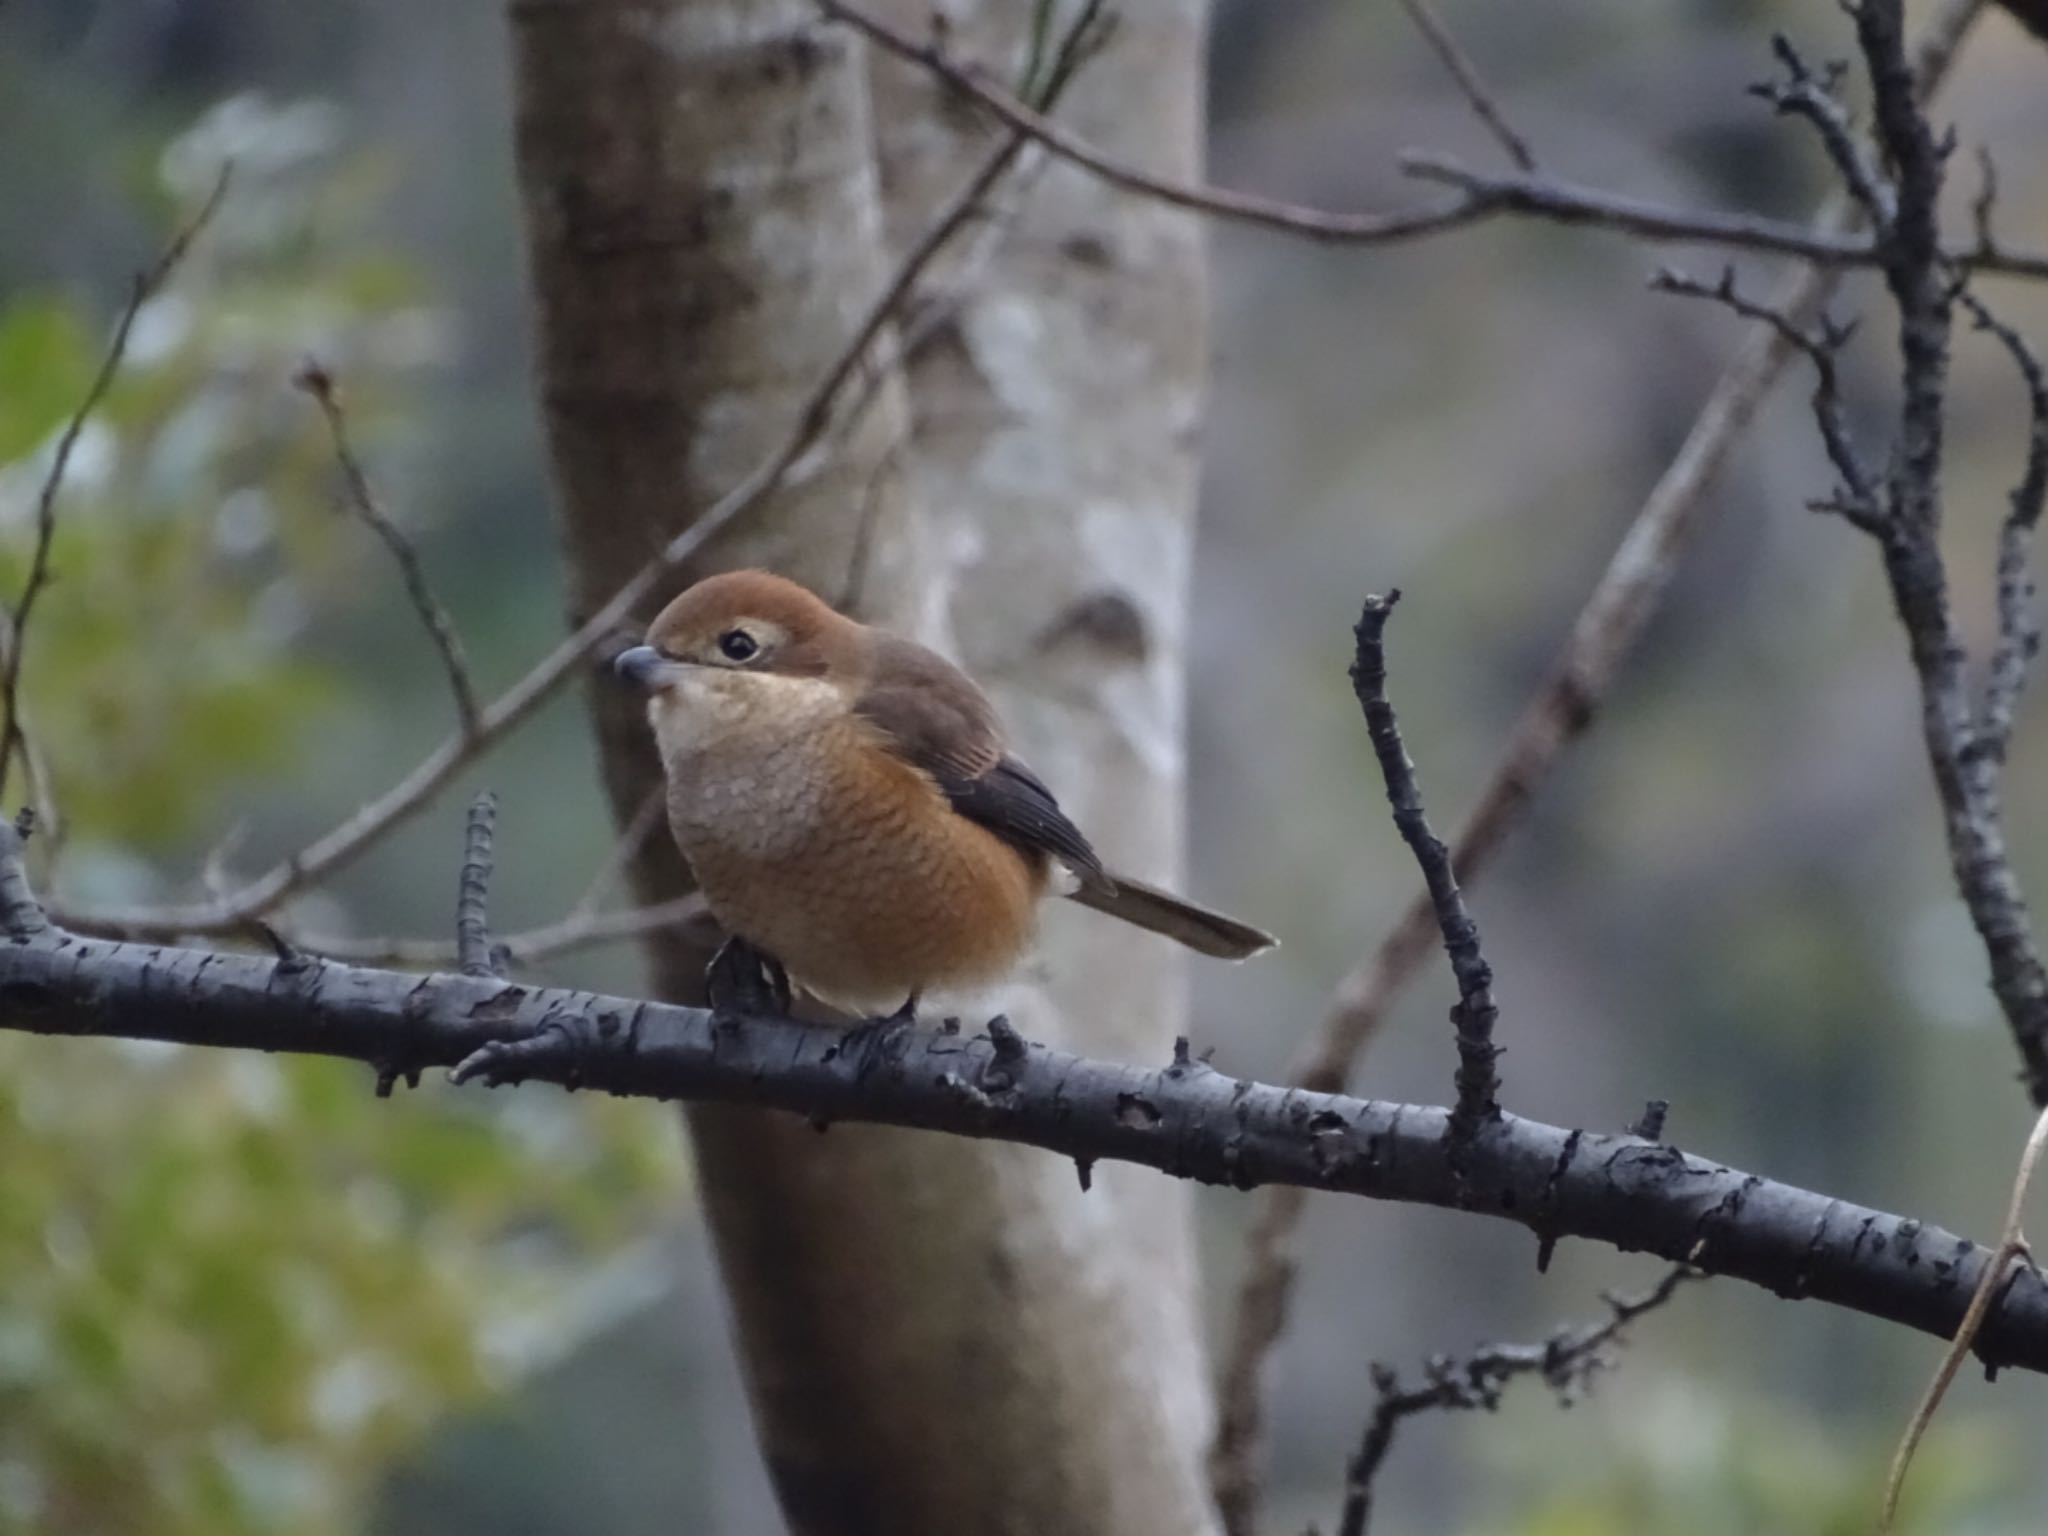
1156, 911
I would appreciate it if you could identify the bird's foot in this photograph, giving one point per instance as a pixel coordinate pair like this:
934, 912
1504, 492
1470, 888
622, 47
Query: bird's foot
874, 1037
743, 981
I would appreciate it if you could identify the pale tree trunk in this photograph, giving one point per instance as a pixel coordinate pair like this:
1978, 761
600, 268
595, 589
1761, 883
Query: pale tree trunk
940, 1337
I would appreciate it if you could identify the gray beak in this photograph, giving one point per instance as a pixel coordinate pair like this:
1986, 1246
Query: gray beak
642, 666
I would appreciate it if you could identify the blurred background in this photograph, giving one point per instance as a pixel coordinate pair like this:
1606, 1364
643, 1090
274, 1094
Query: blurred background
242, 1295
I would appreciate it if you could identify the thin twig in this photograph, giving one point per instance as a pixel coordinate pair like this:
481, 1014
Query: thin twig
1858, 498
577, 932
474, 956
1803, 93
1478, 1082
315, 380
2019, 630
1603, 637
1461, 69
145, 285
1272, 1263
1480, 197
376, 819
2012, 1244
1568, 1363
625, 848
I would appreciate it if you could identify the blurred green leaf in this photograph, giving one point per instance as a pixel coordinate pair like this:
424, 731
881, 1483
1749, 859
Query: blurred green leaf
233, 1288
46, 366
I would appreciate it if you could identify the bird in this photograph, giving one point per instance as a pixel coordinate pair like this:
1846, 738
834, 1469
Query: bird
851, 812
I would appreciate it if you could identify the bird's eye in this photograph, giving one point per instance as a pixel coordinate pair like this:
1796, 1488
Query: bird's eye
737, 645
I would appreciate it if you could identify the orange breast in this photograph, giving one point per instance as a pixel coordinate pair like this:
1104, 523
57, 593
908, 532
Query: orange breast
883, 891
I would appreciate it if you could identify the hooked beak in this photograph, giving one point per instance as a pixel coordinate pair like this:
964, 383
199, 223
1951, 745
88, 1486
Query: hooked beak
645, 668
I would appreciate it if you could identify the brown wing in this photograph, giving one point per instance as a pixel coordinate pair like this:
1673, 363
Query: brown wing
931, 713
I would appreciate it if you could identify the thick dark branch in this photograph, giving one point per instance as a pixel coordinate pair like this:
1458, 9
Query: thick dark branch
1567, 1361
1480, 196
1478, 1082
1182, 1118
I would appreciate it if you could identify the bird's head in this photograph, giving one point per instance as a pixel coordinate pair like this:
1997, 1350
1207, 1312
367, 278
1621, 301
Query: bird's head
737, 646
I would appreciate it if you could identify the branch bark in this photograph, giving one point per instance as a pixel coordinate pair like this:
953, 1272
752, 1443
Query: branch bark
1181, 1117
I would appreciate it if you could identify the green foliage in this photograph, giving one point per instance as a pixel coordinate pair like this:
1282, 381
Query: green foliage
236, 1285
233, 1287
198, 525
1677, 1459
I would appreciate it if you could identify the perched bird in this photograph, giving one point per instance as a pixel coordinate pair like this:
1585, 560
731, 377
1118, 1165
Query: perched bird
846, 802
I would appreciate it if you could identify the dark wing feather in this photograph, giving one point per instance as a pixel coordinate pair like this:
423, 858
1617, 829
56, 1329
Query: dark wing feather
935, 718
1012, 802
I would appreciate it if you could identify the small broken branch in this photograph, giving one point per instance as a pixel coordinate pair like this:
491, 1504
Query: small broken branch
474, 954
145, 286
1478, 1081
1568, 1361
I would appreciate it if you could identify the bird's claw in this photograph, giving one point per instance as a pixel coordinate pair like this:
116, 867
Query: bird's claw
742, 981
875, 1036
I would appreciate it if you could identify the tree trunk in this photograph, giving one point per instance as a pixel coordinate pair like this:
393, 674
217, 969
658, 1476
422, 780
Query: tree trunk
939, 1337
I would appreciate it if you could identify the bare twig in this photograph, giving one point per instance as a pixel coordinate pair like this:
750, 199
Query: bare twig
2019, 631
1812, 96
495, 720
315, 380
474, 955
1612, 621
580, 931
1562, 202
1961, 749
1568, 1363
145, 285
1257, 1319
1858, 497
1461, 69
1985, 202
625, 848
1479, 197
1478, 1082
2012, 1244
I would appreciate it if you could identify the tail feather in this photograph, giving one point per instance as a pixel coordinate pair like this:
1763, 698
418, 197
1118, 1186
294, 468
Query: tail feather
1162, 912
